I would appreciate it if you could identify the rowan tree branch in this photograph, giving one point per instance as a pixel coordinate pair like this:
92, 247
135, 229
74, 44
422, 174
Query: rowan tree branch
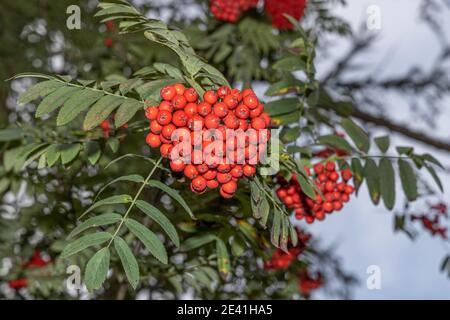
399, 128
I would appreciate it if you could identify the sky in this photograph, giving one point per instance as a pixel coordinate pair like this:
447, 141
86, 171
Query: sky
363, 234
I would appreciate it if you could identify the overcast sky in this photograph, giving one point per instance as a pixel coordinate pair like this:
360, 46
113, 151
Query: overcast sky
363, 233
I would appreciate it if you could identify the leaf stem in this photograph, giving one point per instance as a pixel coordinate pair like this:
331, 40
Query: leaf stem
134, 201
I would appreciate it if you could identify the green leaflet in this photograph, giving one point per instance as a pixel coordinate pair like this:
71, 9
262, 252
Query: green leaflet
149, 239
223, 258
174, 194
55, 100
76, 104
97, 269
128, 260
84, 242
127, 111
161, 219
408, 179
39, 90
101, 110
357, 134
387, 181
117, 199
101, 220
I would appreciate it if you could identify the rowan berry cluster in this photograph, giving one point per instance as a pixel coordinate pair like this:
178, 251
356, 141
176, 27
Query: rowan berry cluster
335, 192
230, 10
213, 142
276, 9
308, 283
432, 220
281, 259
36, 261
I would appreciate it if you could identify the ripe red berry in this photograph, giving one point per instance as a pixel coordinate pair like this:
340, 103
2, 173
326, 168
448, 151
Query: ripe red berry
212, 121
231, 122
258, 123
177, 165
318, 168
168, 93
164, 117
191, 95
153, 140
204, 108
210, 97
179, 102
165, 106
155, 127
223, 177
247, 92
249, 170
333, 176
210, 174
328, 207
346, 174
224, 194
251, 101
151, 113
199, 184
167, 131
165, 149
229, 187
190, 109
190, 171
330, 166
220, 109
223, 91
231, 101
179, 88
242, 111
212, 184
180, 118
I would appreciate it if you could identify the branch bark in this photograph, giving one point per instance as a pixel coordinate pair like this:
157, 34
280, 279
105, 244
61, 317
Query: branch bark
396, 127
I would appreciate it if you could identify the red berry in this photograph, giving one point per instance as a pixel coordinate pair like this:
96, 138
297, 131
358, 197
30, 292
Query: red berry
242, 111
153, 140
229, 187
199, 184
210, 97
151, 113
179, 102
258, 123
212, 184
155, 127
165, 149
251, 101
165, 106
168, 130
204, 109
220, 109
164, 117
168, 93
231, 101
177, 165
191, 95
237, 172
179, 88
249, 170
179, 118
190, 171
190, 109
212, 121
330, 166
223, 177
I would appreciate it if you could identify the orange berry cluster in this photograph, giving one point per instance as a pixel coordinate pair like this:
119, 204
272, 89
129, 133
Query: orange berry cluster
277, 8
281, 259
230, 10
214, 156
36, 261
335, 193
